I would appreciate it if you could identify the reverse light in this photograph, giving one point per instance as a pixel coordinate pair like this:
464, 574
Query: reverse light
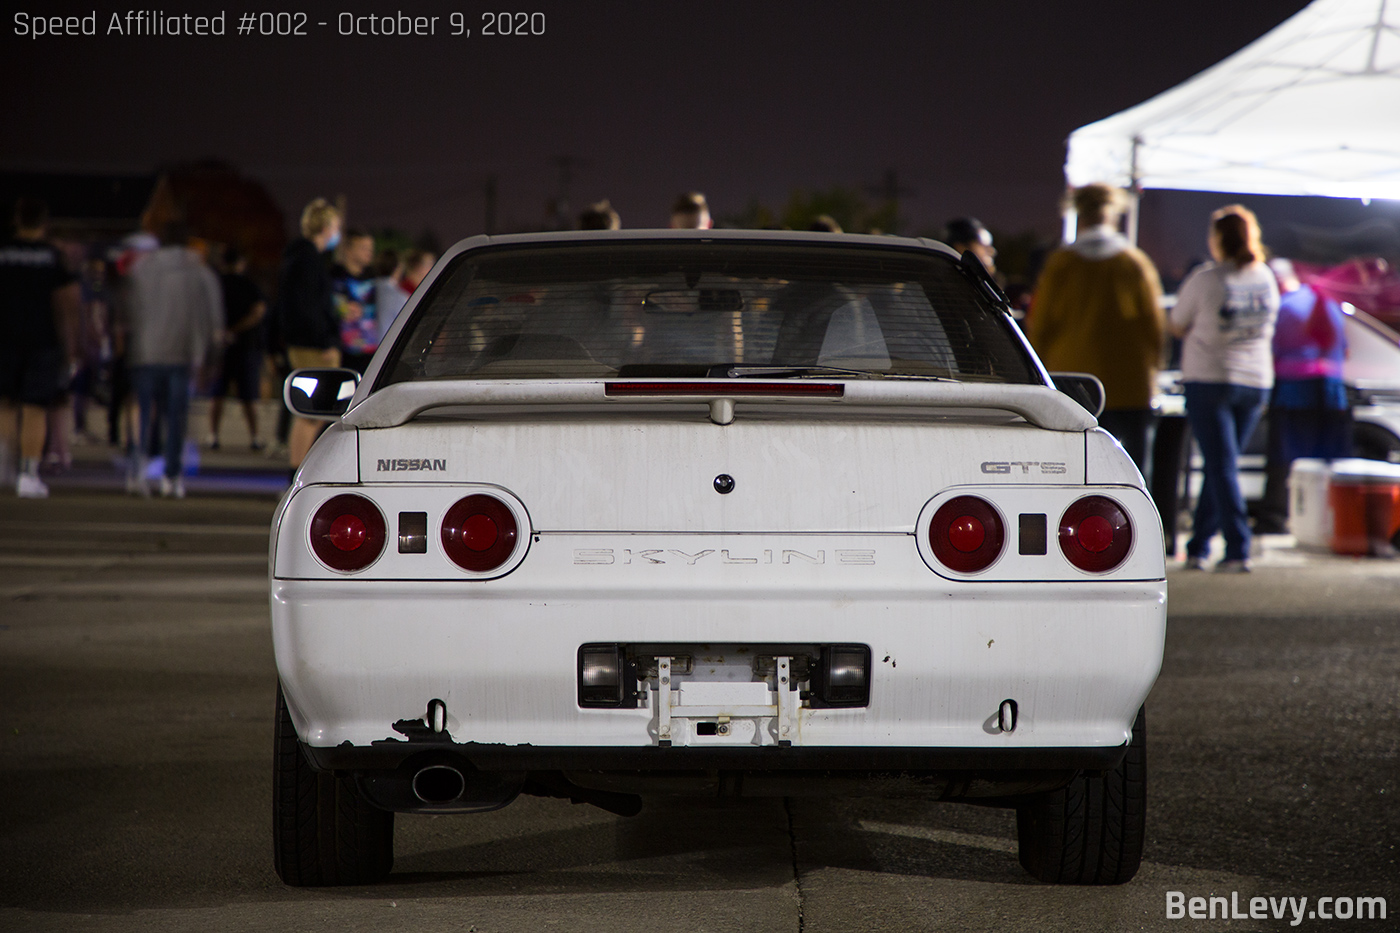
1096, 534
966, 534
606, 677
479, 533
841, 677
347, 532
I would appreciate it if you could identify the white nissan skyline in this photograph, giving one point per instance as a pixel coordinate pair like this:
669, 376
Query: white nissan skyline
711, 513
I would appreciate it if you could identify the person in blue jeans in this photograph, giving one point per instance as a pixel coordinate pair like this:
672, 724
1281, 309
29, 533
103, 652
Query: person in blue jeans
176, 315
1225, 313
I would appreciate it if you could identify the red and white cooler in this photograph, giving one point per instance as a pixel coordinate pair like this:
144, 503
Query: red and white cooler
1349, 506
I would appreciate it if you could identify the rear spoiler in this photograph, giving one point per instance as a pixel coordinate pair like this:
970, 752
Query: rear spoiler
1042, 406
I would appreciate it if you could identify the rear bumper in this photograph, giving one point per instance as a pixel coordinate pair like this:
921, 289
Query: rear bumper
385, 756
358, 657
485, 777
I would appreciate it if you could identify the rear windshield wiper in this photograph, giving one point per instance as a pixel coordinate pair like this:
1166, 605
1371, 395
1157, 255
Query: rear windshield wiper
798, 372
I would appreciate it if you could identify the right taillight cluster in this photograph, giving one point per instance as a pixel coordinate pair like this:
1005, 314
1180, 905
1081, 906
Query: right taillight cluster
967, 534
1095, 534
479, 533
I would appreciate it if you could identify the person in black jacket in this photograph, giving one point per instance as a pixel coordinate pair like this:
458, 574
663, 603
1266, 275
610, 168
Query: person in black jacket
244, 310
39, 306
306, 318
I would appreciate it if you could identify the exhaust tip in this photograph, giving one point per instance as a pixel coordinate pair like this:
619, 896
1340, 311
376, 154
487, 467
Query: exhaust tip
438, 784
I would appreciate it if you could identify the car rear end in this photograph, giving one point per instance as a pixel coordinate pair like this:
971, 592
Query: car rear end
601, 526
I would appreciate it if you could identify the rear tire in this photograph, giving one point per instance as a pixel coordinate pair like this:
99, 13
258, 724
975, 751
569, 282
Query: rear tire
1092, 831
324, 832
1373, 442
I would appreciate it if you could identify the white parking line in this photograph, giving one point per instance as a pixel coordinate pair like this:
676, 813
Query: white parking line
106, 562
132, 528
194, 587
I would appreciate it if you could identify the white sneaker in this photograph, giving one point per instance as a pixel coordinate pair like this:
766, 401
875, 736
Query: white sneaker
172, 489
29, 486
136, 482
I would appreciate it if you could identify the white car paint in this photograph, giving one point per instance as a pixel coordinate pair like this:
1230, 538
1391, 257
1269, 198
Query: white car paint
623, 538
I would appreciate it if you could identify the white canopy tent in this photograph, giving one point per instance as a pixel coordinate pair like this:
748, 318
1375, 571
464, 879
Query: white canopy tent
1310, 108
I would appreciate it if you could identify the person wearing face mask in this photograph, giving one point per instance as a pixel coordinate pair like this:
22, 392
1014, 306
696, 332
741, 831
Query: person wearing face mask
305, 310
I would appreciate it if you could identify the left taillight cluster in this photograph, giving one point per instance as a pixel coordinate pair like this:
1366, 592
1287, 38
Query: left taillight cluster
479, 533
348, 532
967, 534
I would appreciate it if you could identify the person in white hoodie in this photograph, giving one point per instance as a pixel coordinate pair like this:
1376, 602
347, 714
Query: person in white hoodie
175, 315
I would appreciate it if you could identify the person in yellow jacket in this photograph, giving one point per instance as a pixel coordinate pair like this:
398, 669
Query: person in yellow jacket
1098, 309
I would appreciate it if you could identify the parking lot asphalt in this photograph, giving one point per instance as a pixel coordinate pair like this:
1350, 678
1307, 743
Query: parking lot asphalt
136, 699
235, 468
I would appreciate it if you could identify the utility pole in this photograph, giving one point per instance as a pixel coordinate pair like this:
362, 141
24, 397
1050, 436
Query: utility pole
490, 205
566, 165
889, 191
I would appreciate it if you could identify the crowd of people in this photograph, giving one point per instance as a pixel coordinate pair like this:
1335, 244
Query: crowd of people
170, 317
162, 316
1252, 337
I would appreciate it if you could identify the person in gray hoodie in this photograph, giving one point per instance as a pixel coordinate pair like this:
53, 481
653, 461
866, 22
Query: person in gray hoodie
175, 318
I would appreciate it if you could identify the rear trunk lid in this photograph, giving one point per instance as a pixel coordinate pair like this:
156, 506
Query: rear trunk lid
631, 469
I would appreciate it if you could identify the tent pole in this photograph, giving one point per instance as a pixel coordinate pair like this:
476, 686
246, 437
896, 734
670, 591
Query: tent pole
1070, 219
1134, 193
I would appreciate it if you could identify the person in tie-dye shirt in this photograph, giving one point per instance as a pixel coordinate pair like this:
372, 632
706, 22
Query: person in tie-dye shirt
353, 282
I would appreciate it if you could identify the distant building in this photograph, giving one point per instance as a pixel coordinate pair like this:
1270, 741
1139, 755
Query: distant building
221, 206
91, 212
93, 209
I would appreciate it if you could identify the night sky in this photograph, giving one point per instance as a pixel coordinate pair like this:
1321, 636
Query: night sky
969, 103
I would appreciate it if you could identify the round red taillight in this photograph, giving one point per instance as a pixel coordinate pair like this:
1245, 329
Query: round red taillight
479, 533
966, 534
347, 532
1095, 534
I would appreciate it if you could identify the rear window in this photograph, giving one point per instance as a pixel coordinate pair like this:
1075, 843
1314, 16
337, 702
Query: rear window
696, 309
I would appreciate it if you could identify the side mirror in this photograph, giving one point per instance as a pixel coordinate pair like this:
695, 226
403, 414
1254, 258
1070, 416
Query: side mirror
1083, 388
323, 394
